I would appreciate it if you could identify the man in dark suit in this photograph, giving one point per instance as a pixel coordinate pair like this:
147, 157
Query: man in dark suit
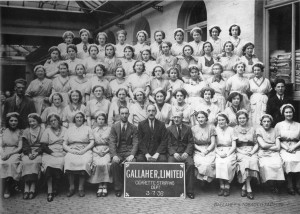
123, 145
19, 103
180, 149
153, 138
275, 102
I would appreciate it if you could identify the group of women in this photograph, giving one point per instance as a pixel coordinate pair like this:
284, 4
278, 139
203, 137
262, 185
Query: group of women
218, 86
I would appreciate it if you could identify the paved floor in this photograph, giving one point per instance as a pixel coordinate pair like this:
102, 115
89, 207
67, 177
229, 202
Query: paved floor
206, 201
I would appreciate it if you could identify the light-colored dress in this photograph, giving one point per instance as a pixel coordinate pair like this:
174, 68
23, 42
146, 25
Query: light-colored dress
62, 47
62, 85
155, 50
93, 107
258, 100
205, 66
101, 54
198, 48
120, 50
247, 166
69, 113
159, 83
166, 62
289, 134
96, 81
78, 138
228, 63
82, 54
149, 65
52, 109
186, 110
175, 85
115, 85
176, 48
225, 167
193, 89
219, 97
72, 65
52, 67
55, 143
270, 162
38, 90
10, 141
231, 114
111, 65
248, 70
164, 114
205, 165
184, 63
101, 165
114, 115
89, 64
238, 45
138, 81
211, 109
81, 85
137, 113
128, 66
138, 48
217, 45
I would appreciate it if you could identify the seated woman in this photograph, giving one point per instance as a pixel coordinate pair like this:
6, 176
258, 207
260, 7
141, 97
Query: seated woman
166, 59
159, 82
101, 39
249, 59
40, 89
51, 65
78, 142
91, 61
117, 83
181, 106
174, 80
204, 156
61, 83
121, 37
138, 80
73, 108
228, 60
197, 44
56, 99
31, 159
113, 115
185, 61
177, 47
270, 162
206, 61
10, 147
163, 109
217, 43
95, 105
218, 84
53, 154
84, 45
128, 60
68, 37
288, 135
137, 110
81, 83
225, 154
147, 60
101, 156
246, 151
72, 60
141, 44
110, 61
235, 98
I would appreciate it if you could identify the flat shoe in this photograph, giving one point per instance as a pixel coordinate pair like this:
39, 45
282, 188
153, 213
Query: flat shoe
226, 192
104, 193
191, 195
6, 195
70, 193
50, 197
221, 192
118, 194
81, 193
250, 195
243, 193
25, 195
291, 191
31, 195
99, 192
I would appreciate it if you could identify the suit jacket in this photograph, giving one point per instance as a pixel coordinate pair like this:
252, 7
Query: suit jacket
25, 108
273, 108
155, 142
115, 139
185, 144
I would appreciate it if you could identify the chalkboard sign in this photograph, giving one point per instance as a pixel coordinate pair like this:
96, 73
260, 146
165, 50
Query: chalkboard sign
152, 180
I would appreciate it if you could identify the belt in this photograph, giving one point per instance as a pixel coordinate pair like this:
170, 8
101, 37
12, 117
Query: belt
241, 144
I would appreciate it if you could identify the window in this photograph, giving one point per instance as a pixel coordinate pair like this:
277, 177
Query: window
142, 24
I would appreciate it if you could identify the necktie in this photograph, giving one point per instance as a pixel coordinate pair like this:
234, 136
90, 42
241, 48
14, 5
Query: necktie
123, 129
179, 132
152, 126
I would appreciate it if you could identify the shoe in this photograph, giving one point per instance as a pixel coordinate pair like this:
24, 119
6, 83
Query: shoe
31, 195
70, 193
118, 194
291, 191
221, 192
99, 192
81, 193
25, 195
226, 192
6, 195
244, 193
191, 195
50, 197
104, 193
250, 195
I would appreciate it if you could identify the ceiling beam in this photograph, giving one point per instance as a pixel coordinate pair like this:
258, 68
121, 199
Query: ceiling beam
45, 9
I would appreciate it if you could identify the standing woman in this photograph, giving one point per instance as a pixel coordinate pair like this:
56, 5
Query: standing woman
39, 89
31, 158
159, 82
137, 110
218, 84
159, 36
68, 37
10, 147
177, 47
147, 60
57, 107
235, 98
78, 142
142, 37
270, 162
128, 59
247, 159
185, 61
72, 60
51, 65
138, 79
216, 42
249, 59
95, 105
110, 61
113, 115
117, 83
260, 88
225, 154
228, 60
205, 140
197, 44
92, 60
101, 156
73, 108
174, 80
121, 37
53, 154
288, 134
101, 39
84, 45
164, 109
234, 33
206, 61
166, 59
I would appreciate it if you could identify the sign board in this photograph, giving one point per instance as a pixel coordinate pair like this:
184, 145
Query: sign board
153, 180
